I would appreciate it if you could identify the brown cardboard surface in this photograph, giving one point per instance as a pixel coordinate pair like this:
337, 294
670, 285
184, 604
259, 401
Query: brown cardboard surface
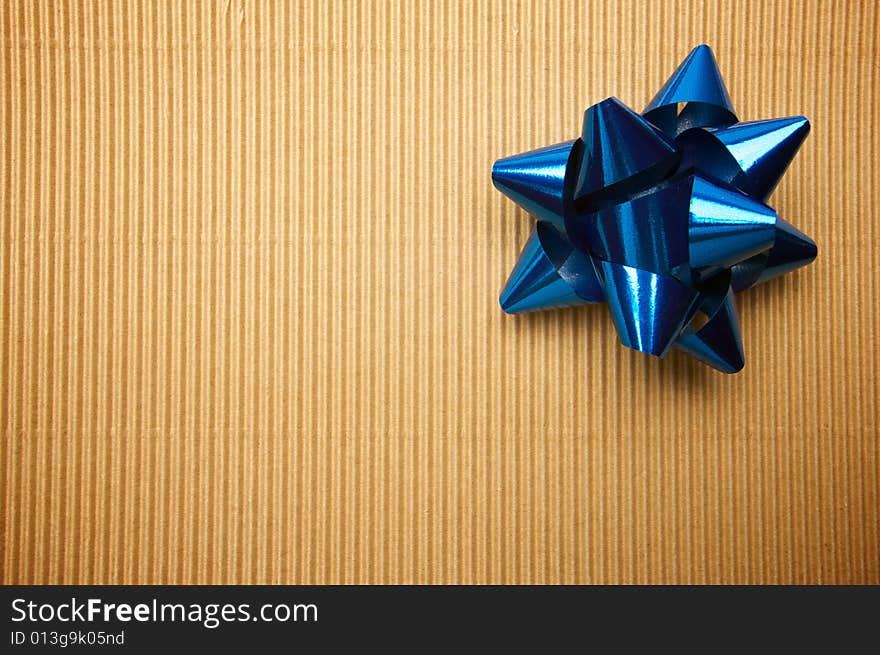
251, 256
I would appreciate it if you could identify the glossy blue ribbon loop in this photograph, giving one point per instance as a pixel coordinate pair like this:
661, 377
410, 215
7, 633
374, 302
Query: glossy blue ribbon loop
661, 215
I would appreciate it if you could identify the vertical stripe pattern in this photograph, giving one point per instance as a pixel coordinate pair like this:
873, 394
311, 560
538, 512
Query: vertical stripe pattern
249, 263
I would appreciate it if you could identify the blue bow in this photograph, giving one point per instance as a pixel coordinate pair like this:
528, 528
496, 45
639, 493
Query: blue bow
661, 215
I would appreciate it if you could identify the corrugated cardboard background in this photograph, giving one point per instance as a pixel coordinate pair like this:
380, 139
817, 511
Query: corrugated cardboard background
250, 263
